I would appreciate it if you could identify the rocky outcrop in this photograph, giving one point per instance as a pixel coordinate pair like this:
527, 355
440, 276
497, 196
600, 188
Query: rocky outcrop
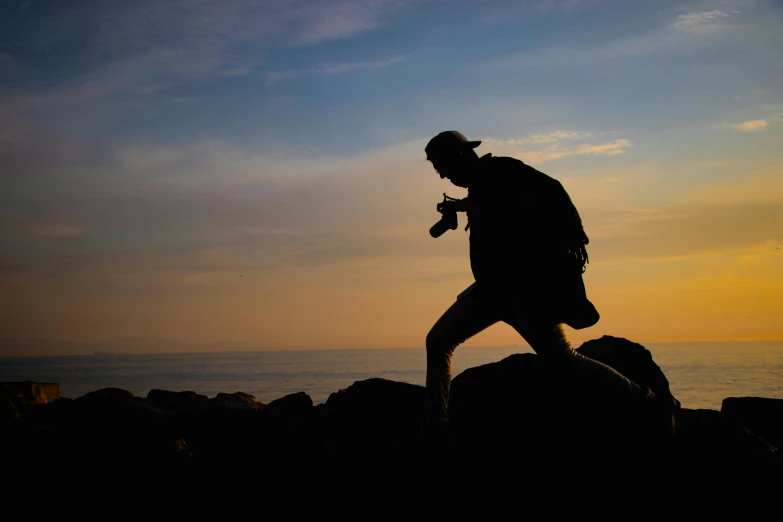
514, 416
374, 414
632, 360
291, 407
28, 393
762, 416
178, 402
238, 401
17, 396
709, 439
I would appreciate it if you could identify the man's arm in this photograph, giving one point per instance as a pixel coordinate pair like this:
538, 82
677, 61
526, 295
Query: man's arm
456, 205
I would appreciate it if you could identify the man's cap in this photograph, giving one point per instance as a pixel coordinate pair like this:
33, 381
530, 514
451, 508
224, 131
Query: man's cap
449, 141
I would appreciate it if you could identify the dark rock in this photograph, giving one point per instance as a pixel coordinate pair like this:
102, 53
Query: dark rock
762, 416
107, 429
109, 405
635, 362
178, 402
28, 393
181, 449
234, 429
44, 416
374, 414
517, 420
522, 408
106, 395
709, 442
378, 397
237, 402
111, 426
9, 414
291, 407
632, 360
16, 398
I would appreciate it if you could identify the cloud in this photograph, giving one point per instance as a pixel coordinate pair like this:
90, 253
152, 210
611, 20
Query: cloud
191, 215
700, 21
323, 21
512, 11
550, 137
147, 46
540, 148
568, 56
747, 126
680, 35
330, 69
305, 231
167, 204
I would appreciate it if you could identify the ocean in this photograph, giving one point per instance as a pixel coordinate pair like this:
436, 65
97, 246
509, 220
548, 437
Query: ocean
701, 375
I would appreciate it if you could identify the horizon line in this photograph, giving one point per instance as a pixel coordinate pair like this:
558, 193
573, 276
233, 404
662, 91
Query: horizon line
99, 353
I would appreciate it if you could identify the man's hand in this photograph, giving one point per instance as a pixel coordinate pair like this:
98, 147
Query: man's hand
451, 205
448, 221
447, 207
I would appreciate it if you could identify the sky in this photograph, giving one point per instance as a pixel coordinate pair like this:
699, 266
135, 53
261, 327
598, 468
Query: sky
253, 171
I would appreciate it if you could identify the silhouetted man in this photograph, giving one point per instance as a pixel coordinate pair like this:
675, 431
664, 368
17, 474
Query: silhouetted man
527, 254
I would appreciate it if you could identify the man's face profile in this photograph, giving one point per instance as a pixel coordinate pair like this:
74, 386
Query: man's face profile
451, 167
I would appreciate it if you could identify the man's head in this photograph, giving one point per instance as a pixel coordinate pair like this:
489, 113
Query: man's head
453, 156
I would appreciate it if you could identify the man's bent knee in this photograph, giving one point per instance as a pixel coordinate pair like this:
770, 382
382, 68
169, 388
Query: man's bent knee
440, 350
437, 344
552, 344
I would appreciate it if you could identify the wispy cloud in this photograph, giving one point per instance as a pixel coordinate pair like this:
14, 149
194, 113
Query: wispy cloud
674, 36
270, 209
551, 137
567, 56
148, 45
330, 69
540, 148
747, 126
310, 226
512, 11
322, 21
700, 21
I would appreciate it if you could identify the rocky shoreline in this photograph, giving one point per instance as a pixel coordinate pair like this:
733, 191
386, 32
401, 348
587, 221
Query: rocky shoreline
515, 414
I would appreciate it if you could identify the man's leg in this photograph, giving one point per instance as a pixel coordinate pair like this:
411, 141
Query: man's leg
465, 318
551, 343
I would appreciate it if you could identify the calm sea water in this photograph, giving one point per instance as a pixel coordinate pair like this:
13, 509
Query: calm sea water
701, 375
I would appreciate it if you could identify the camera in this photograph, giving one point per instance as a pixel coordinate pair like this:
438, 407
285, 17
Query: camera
448, 221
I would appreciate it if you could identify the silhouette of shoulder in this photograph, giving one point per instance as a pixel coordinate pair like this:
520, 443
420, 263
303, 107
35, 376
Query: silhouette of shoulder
505, 173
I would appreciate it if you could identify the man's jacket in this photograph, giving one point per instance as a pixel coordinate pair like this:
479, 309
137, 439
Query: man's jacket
521, 224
